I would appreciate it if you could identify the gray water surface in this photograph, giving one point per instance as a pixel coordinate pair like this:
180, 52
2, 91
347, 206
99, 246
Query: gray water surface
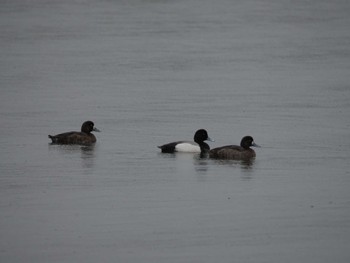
151, 72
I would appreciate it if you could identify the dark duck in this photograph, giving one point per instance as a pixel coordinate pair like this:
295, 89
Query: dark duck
84, 137
235, 152
197, 146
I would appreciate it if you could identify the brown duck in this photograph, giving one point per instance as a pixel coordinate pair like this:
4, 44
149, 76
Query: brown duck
235, 152
84, 137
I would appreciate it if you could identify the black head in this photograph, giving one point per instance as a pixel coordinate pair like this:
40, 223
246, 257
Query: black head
201, 136
248, 141
88, 127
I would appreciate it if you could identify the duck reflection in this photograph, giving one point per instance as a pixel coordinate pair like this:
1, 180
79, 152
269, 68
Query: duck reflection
200, 163
87, 156
87, 153
246, 164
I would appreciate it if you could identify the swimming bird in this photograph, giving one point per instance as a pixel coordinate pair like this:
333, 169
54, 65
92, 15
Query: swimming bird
235, 152
187, 146
84, 137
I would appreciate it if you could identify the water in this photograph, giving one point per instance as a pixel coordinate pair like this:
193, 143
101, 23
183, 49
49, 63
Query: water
151, 72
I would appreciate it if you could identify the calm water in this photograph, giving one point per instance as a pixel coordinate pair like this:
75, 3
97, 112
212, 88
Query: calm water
150, 72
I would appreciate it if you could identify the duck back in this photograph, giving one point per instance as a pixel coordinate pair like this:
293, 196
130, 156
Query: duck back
73, 138
231, 152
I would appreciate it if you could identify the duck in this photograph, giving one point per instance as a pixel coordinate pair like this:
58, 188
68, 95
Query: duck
84, 137
197, 146
235, 152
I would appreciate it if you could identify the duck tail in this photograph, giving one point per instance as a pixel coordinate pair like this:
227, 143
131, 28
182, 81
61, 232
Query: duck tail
52, 138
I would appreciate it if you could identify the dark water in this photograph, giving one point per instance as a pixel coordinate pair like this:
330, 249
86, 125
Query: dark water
150, 72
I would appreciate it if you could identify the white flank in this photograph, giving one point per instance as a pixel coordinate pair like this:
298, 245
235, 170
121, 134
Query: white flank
188, 147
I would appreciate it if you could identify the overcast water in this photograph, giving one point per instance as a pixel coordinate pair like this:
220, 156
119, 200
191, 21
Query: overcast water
151, 72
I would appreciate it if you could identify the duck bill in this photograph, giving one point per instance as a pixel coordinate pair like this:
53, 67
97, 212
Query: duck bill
96, 130
255, 145
210, 140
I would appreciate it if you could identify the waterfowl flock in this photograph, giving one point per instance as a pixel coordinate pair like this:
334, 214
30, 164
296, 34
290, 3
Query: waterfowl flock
228, 152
